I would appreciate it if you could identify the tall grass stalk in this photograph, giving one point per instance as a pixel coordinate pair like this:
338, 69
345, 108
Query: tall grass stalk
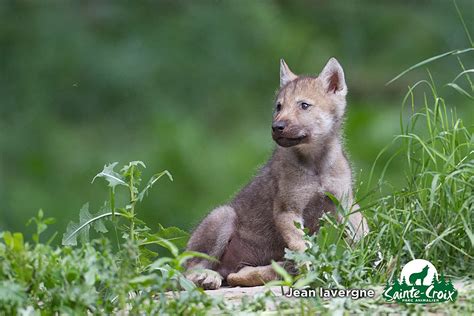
432, 216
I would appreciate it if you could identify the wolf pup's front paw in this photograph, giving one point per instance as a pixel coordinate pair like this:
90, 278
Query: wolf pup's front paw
205, 278
298, 245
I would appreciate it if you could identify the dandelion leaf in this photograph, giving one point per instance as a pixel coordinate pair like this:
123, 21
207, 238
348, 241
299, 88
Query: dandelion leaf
112, 177
81, 229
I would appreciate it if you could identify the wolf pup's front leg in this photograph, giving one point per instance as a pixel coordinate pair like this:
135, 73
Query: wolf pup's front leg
292, 235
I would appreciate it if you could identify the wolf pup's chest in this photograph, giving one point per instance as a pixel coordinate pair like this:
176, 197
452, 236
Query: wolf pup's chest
300, 189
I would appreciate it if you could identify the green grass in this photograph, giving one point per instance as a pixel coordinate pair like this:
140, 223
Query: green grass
137, 268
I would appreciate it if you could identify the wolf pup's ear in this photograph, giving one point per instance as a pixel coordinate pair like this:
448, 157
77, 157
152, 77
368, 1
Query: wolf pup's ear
332, 77
286, 75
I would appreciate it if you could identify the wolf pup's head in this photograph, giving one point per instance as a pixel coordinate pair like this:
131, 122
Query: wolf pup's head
309, 110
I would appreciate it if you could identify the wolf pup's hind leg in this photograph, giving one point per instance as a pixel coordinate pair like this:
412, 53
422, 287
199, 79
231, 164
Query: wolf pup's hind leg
253, 276
211, 237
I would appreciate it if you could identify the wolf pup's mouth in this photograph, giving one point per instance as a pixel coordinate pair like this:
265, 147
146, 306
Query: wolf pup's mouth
288, 141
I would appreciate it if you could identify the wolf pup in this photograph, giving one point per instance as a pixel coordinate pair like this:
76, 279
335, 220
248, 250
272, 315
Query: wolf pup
256, 226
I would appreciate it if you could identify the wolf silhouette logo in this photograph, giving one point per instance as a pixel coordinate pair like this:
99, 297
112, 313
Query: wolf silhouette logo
419, 276
419, 283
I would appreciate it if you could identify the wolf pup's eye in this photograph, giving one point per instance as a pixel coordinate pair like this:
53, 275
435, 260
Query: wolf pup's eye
278, 107
304, 105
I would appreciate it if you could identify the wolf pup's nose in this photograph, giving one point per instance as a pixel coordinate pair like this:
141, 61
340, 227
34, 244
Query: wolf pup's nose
278, 126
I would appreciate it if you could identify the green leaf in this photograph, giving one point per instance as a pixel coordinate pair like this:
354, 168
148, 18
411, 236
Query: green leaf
159, 263
456, 87
99, 225
112, 177
12, 293
152, 181
41, 224
330, 234
147, 256
305, 280
177, 236
333, 199
132, 174
186, 284
168, 245
136, 163
144, 279
186, 255
282, 272
86, 219
171, 238
14, 241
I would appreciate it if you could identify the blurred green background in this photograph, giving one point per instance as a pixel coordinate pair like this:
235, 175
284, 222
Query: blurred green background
188, 86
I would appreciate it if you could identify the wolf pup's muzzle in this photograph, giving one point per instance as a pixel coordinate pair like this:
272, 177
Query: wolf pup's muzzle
286, 136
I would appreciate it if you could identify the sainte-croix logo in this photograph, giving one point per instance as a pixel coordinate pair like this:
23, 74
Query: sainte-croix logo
419, 283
